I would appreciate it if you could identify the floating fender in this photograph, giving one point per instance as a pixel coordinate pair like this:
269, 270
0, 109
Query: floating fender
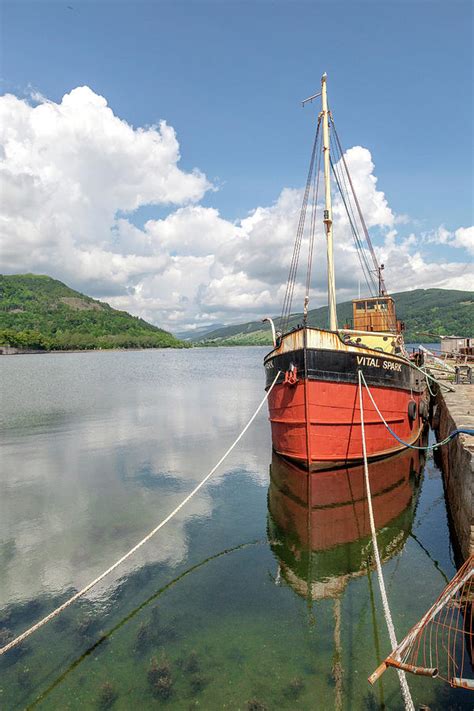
412, 410
424, 410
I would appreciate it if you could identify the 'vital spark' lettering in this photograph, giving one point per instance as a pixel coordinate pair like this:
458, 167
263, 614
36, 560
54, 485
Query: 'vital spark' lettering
375, 363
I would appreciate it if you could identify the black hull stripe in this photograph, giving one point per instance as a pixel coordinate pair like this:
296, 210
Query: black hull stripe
342, 366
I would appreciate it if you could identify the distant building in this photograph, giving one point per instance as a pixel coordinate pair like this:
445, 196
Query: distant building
454, 344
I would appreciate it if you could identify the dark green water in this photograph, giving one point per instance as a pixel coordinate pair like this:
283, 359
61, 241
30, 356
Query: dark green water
228, 607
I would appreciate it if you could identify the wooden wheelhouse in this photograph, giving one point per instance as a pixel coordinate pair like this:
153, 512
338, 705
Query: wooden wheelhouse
375, 314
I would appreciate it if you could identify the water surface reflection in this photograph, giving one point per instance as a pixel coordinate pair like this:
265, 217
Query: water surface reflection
319, 524
252, 598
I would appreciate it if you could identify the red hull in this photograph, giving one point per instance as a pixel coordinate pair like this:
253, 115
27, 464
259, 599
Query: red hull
332, 509
326, 430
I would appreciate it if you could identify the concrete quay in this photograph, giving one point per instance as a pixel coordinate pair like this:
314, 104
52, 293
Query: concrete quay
455, 410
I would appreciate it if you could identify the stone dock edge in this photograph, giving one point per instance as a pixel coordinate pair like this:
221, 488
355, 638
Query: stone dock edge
451, 411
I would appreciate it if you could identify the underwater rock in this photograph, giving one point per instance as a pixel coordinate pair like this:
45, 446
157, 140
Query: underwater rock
198, 682
159, 678
256, 705
163, 687
107, 696
295, 688
143, 638
153, 674
191, 663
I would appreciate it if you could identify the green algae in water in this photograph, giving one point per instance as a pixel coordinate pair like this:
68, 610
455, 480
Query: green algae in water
243, 615
238, 638
107, 696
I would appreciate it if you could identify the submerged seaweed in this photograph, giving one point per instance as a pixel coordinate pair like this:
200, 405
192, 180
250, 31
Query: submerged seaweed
143, 638
295, 688
256, 705
198, 682
163, 688
191, 663
159, 678
107, 695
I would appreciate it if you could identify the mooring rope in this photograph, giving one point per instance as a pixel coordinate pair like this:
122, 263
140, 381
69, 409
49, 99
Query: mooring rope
428, 376
133, 550
451, 435
386, 609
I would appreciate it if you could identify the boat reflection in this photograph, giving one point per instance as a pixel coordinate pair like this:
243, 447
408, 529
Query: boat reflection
318, 524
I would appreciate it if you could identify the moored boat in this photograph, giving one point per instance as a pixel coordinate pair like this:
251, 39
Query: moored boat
314, 405
321, 534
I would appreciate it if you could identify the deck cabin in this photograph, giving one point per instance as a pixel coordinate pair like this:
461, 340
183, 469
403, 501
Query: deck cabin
375, 314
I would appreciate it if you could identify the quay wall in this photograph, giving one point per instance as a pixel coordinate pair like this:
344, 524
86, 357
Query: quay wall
452, 411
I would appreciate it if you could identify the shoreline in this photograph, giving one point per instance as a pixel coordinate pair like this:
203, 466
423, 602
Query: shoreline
16, 352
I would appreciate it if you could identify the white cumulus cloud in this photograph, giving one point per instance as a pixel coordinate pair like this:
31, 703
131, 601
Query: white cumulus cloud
72, 175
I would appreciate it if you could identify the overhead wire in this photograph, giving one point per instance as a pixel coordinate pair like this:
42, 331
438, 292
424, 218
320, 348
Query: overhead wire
357, 241
361, 216
316, 181
290, 286
340, 176
372, 274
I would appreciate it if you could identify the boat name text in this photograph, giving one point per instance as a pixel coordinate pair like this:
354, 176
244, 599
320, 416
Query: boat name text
376, 363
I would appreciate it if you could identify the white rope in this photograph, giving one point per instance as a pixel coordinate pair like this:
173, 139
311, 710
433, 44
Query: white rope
427, 375
133, 550
383, 593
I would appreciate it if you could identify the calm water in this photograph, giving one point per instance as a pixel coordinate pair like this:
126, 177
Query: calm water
245, 600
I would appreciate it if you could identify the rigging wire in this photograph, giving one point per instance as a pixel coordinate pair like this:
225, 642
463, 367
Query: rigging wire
358, 240
290, 286
361, 217
316, 181
372, 274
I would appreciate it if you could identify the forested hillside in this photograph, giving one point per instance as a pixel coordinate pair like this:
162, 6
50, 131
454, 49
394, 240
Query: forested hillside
424, 311
38, 312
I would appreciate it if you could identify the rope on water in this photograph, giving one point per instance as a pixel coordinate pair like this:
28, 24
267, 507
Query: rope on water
133, 550
454, 433
386, 609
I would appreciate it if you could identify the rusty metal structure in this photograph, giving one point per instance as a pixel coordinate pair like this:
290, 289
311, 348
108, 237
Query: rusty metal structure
441, 643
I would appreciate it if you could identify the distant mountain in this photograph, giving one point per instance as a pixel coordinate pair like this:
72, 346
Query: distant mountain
424, 311
194, 334
41, 313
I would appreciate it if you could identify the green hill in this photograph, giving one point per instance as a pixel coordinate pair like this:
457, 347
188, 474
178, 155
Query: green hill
424, 311
38, 312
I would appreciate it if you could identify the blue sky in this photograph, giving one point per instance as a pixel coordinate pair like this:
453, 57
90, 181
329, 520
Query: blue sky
229, 78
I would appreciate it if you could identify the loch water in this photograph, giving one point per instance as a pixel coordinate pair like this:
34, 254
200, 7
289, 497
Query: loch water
232, 605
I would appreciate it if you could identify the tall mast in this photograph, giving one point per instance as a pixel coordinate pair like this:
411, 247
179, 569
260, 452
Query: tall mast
328, 209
